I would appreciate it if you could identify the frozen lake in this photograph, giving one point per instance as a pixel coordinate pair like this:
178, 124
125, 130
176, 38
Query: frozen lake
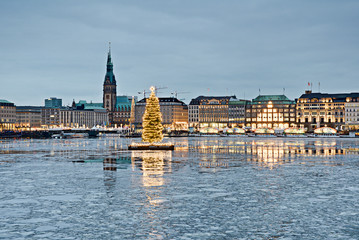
208, 188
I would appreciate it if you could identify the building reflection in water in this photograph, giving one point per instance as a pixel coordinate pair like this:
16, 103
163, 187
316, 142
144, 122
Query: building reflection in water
263, 152
110, 166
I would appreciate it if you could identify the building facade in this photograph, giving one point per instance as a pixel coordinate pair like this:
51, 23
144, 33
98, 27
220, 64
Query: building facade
7, 115
316, 110
193, 113
216, 112
50, 117
83, 118
352, 115
53, 102
77, 117
28, 117
271, 111
174, 113
237, 112
122, 113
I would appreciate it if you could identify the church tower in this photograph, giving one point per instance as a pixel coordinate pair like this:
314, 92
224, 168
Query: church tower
109, 88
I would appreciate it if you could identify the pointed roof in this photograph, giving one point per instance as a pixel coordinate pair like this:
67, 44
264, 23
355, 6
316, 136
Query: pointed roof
109, 70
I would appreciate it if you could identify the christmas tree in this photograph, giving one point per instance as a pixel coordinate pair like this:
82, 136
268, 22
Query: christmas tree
152, 118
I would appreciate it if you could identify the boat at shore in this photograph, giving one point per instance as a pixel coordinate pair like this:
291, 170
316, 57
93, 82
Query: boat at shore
328, 135
66, 135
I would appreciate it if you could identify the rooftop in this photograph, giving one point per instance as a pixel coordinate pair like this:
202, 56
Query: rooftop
197, 100
164, 99
273, 98
4, 101
337, 96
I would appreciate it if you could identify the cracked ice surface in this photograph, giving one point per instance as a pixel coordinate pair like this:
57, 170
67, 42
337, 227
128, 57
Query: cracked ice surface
208, 188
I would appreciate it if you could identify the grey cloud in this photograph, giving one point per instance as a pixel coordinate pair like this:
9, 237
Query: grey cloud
59, 48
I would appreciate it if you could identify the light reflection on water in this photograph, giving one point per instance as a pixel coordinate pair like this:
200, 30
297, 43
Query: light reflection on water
208, 188
153, 164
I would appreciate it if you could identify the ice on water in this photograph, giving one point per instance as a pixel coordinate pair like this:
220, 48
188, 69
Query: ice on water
208, 188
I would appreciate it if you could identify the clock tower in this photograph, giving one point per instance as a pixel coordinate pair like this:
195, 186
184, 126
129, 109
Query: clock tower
109, 88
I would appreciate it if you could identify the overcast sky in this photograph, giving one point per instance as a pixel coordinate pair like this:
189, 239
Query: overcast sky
59, 48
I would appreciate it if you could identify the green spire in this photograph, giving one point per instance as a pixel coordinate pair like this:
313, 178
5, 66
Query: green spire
109, 61
109, 70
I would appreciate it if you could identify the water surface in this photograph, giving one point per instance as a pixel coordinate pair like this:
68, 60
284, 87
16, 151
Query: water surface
208, 188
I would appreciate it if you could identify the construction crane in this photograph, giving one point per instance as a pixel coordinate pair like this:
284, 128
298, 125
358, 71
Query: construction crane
156, 88
175, 93
144, 92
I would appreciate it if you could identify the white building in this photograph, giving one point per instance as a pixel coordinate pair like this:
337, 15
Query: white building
352, 115
193, 114
68, 117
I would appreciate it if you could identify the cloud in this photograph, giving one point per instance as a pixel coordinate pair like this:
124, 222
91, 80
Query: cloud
59, 49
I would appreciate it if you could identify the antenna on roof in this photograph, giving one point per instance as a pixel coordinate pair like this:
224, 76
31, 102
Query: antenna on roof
259, 92
283, 91
319, 87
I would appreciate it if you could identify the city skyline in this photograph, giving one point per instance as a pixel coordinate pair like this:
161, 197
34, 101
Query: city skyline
214, 48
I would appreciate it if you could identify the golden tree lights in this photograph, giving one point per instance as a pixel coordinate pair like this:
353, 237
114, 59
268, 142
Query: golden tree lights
152, 118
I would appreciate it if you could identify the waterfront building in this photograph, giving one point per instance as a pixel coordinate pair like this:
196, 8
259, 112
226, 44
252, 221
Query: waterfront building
174, 113
352, 114
7, 115
316, 110
213, 111
122, 113
271, 111
237, 112
50, 117
193, 113
53, 102
84, 116
28, 116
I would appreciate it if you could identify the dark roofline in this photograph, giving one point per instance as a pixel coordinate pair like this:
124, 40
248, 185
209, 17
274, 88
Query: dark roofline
30, 107
330, 95
164, 99
195, 101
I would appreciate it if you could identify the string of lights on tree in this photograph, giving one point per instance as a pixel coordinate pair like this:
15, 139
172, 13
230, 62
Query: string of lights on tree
152, 118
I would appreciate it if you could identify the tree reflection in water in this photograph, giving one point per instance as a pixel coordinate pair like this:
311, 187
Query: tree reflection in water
153, 164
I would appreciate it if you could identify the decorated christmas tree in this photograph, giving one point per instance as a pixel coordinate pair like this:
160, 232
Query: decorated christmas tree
152, 118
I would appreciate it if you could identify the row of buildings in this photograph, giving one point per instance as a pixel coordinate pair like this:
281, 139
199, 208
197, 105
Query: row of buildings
309, 111
53, 114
